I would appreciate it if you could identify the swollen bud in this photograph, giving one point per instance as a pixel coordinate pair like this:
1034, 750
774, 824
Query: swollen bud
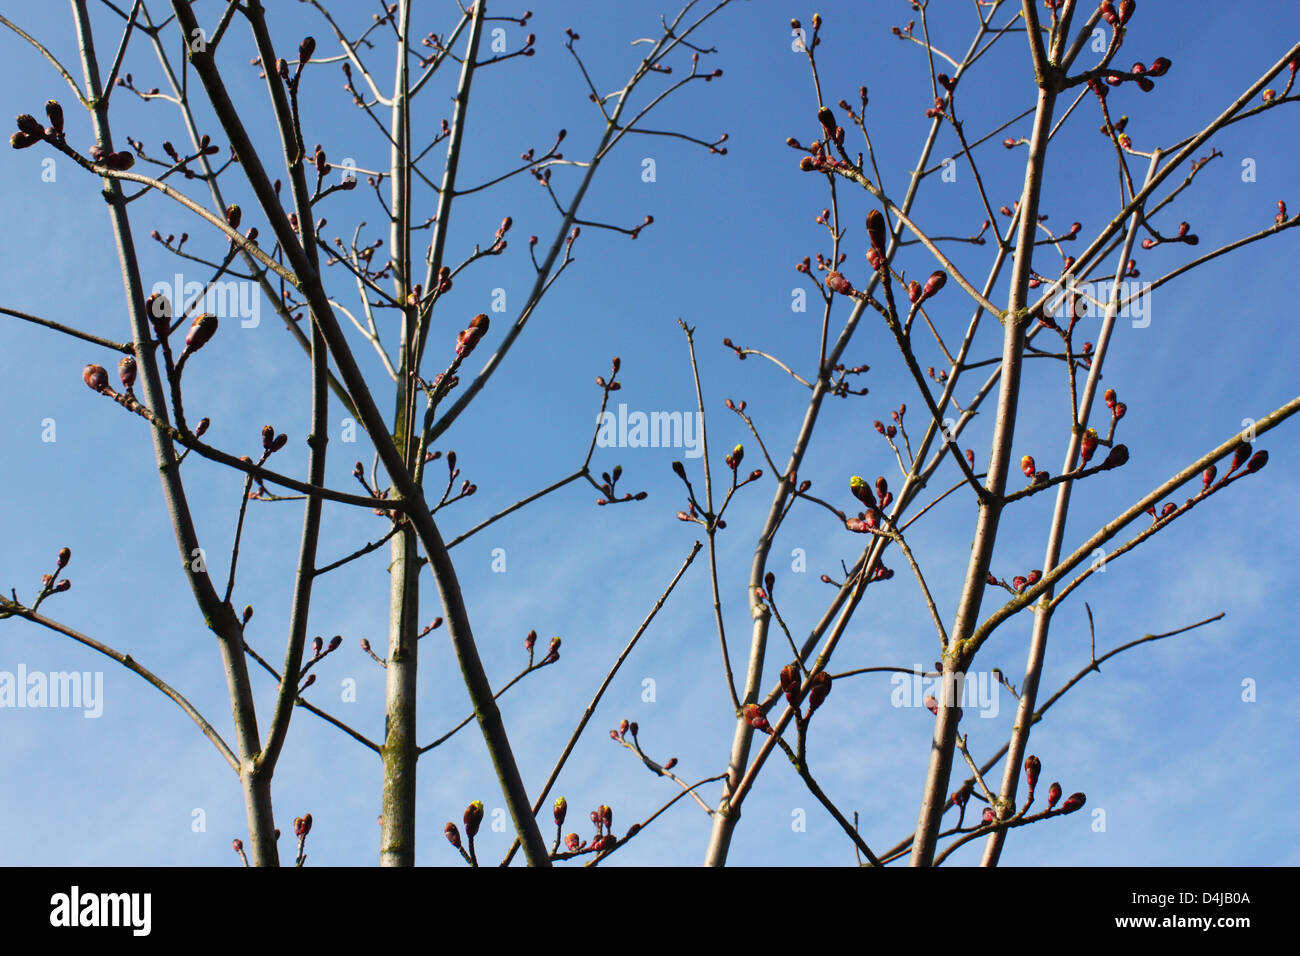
160, 314
560, 808
862, 491
934, 284
1053, 794
473, 817
96, 378
821, 687
28, 124
1118, 456
1088, 445
754, 717
126, 371
876, 231
790, 683
452, 834
827, 119
201, 332
837, 283
55, 112
1257, 461
306, 49
1073, 802
1032, 766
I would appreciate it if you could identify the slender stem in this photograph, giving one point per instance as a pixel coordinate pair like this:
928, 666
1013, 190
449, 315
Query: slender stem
127, 661
600, 692
405, 486
219, 616
934, 795
1056, 535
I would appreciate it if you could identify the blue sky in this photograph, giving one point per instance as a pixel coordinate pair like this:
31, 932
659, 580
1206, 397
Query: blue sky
1162, 741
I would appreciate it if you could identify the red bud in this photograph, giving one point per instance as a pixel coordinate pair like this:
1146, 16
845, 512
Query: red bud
95, 377
28, 124
126, 371
1239, 455
876, 231
473, 817
201, 332
862, 491
790, 684
1118, 456
934, 284
1073, 802
837, 283
55, 113
821, 687
754, 717
452, 834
